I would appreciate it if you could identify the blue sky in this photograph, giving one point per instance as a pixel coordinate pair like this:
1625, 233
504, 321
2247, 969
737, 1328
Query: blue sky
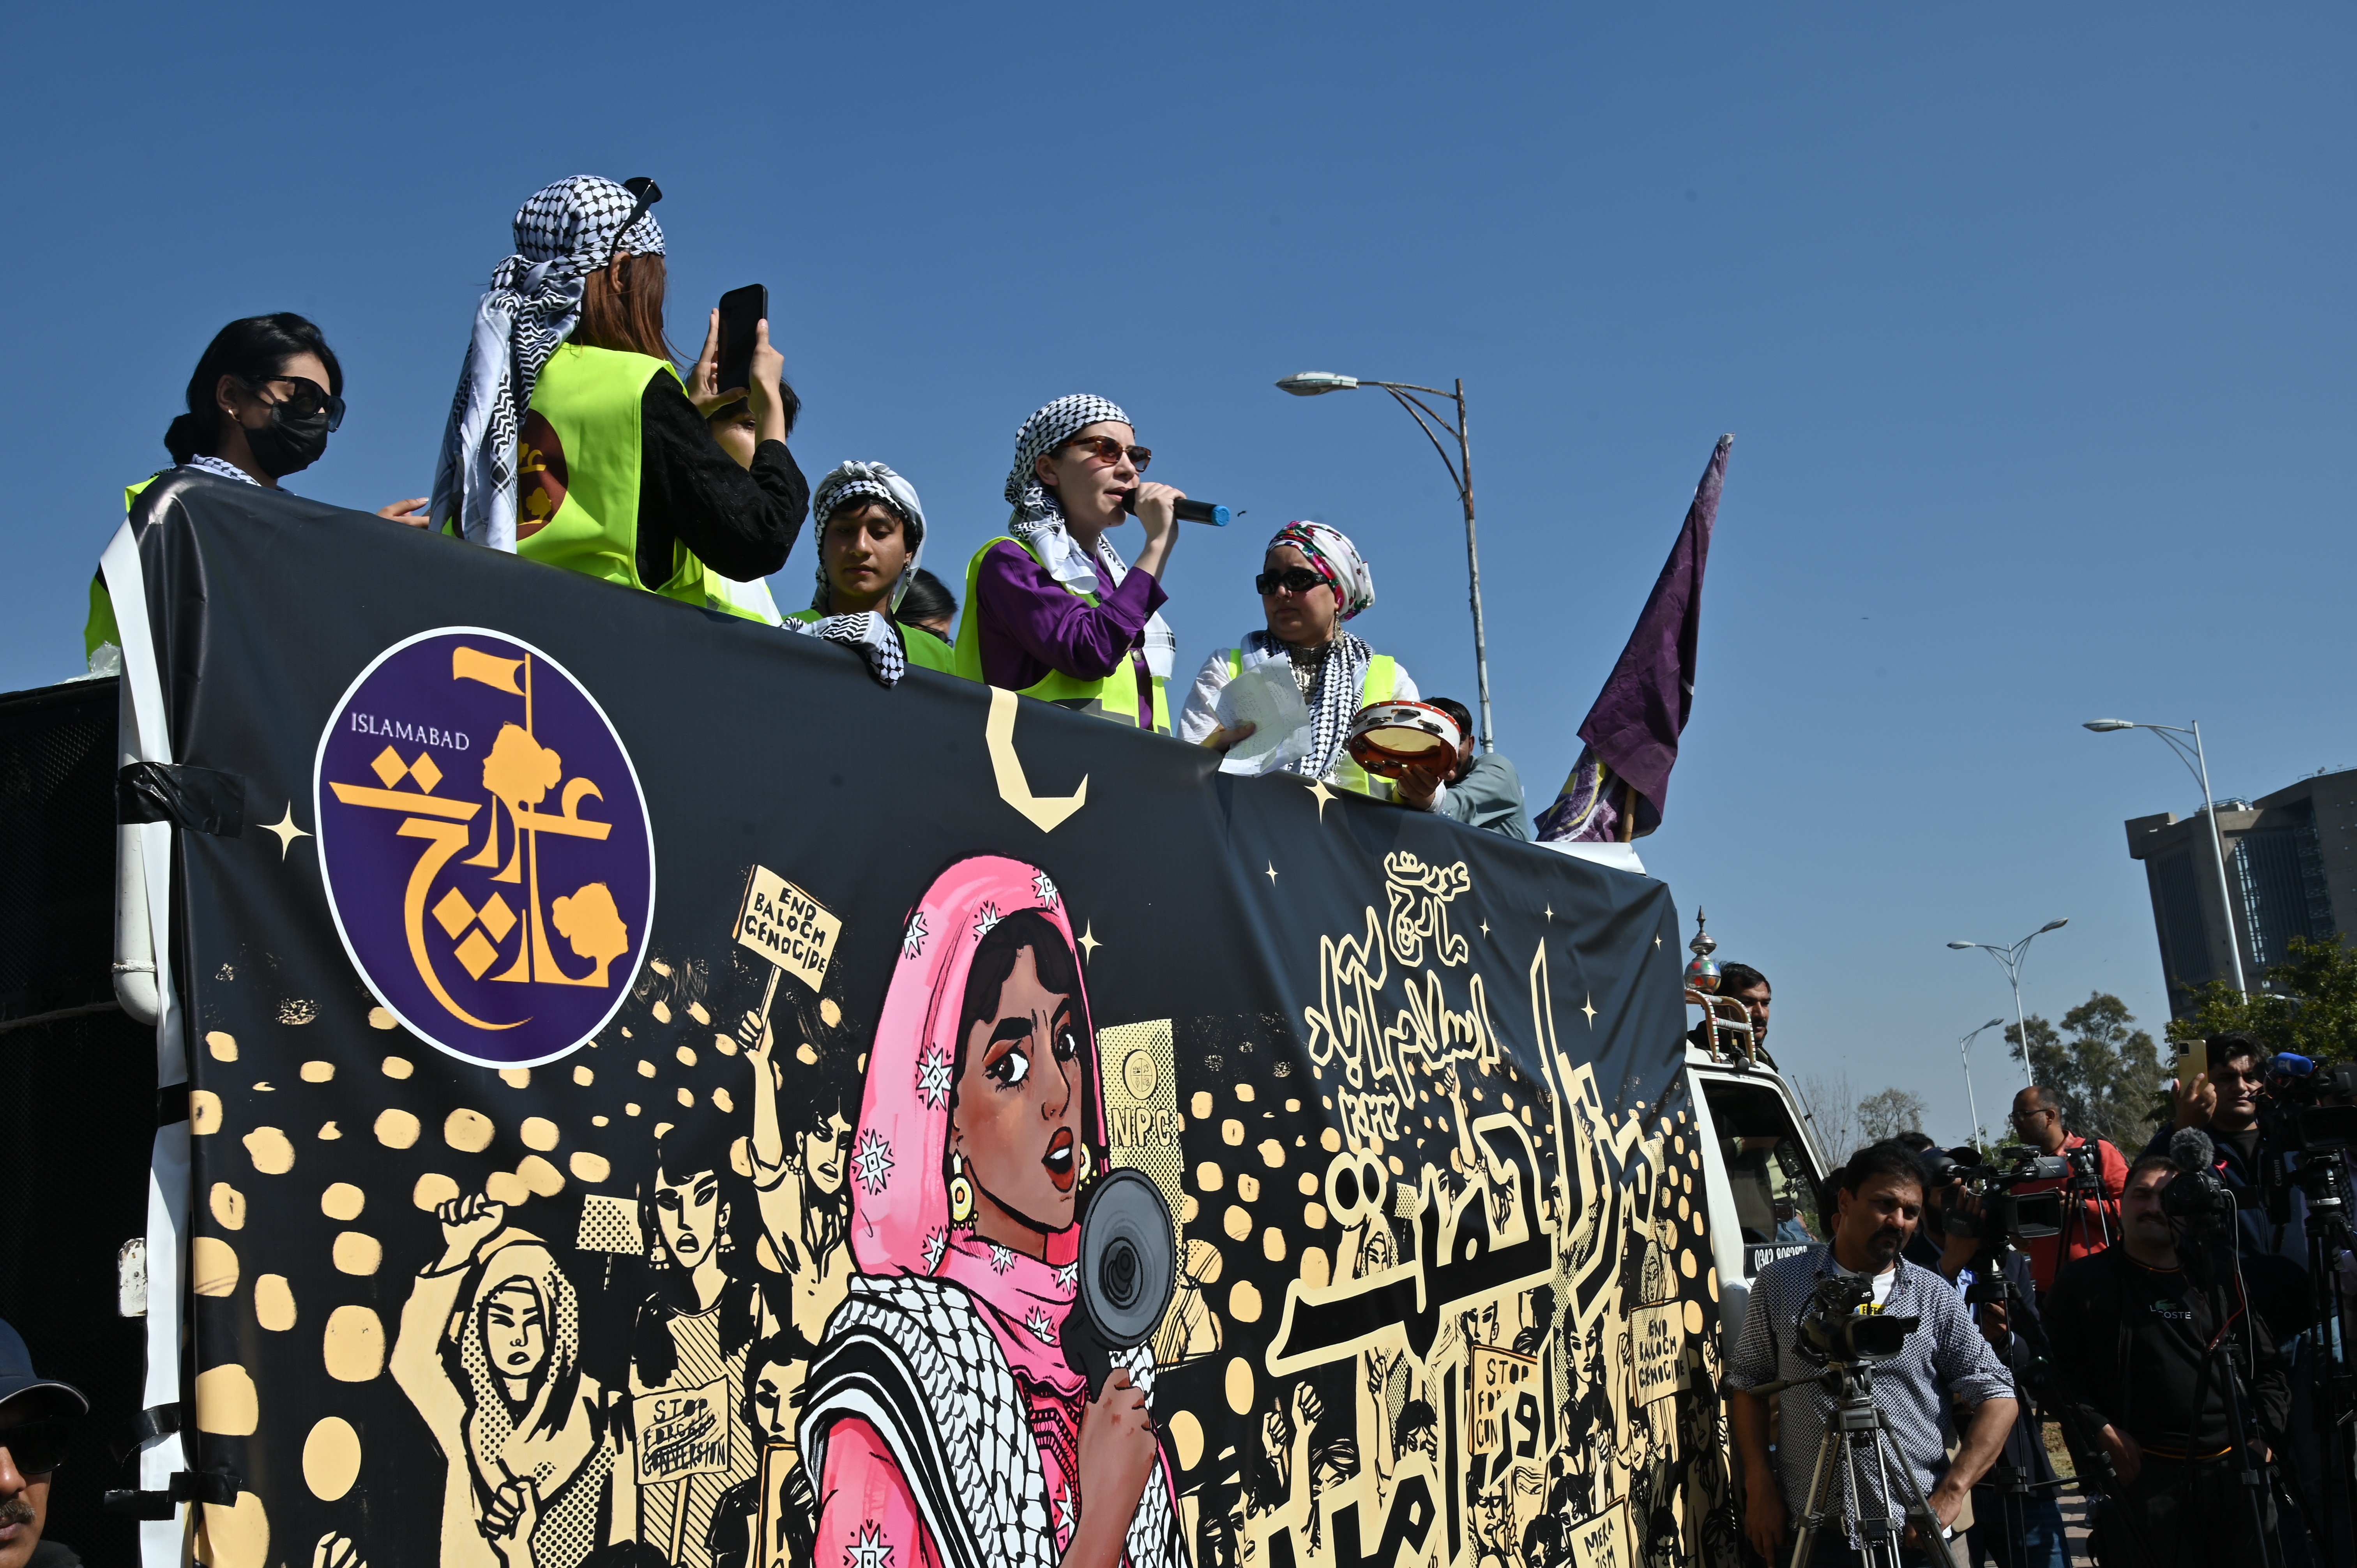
2032, 324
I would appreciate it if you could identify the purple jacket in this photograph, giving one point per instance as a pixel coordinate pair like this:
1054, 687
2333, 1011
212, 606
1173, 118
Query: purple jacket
1029, 624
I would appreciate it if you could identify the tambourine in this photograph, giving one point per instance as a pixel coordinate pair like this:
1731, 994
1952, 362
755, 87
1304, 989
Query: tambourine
1391, 737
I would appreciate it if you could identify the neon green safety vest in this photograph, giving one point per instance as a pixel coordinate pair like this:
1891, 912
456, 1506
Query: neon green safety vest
1113, 697
577, 469
99, 630
1376, 686
926, 651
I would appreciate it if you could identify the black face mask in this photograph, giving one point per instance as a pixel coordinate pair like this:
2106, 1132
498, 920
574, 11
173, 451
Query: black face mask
288, 444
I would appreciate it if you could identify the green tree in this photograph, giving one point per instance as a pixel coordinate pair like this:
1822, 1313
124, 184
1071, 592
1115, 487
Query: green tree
2308, 1003
1889, 1114
2101, 1067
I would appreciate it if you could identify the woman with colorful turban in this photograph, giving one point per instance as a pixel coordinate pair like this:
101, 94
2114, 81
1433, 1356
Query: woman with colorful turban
871, 541
1052, 610
572, 440
1312, 580
944, 1424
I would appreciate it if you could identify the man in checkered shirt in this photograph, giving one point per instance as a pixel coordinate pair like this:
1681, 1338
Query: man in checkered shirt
1944, 1360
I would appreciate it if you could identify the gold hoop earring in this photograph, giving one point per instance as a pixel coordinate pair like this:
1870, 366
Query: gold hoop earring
1085, 1160
961, 1193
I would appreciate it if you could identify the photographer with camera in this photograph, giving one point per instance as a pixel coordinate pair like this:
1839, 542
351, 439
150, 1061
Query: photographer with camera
2017, 1517
2142, 1344
1816, 1322
2091, 1192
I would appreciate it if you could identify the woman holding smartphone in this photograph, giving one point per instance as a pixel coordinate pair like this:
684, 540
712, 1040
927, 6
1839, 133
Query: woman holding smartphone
573, 439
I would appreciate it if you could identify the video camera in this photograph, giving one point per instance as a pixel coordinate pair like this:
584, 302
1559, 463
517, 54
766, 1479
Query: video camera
2302, 1085
1832, 1329
2003, 1213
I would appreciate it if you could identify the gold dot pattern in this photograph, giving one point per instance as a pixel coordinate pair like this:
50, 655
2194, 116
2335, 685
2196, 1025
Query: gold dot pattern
270, 1151
1232, 1131
227, 1404
331, 1458
1244, 1302
1240, 1386
432, 1190
234, 1537
398, 1067
588, 1167
353, 1345
342, 1201
274, 1303
539, 1132
204, 1113
318, 1072
222, 1047
356, 1253
516, 1076
379, 1018
212, 1266
543, 1179
584, 1076
397, 1129
1208, 1177
1272, 1244
468, 1131
228, 1205
1186, 1436
1248, 1188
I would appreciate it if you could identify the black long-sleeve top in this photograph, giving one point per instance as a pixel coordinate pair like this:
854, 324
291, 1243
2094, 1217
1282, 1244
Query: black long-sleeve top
2130, 1342
741, 522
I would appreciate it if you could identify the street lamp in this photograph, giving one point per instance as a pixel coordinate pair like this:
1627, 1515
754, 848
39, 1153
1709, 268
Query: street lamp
1433, 422
2199, 766
1965, 1046
2009, 959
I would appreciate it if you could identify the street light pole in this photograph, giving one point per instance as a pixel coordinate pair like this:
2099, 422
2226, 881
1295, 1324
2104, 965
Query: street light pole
2197, 764
1433, 422
1964, 1047
2009, 959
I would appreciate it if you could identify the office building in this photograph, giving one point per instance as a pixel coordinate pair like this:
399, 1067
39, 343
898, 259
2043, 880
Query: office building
2291, 871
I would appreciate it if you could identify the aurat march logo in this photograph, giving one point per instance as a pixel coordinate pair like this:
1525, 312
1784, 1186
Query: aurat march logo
485, 845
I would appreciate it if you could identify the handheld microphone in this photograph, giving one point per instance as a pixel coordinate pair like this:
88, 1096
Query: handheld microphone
1186, 510
2192, 1149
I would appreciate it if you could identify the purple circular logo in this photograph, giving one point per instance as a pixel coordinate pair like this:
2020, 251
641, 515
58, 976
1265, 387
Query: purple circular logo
485, 845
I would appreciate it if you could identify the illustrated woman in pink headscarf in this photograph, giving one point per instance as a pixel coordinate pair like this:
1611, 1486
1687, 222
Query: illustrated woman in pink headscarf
944, 1424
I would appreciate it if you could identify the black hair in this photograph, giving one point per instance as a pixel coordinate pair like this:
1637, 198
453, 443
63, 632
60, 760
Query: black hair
2234, 1045
1916, 1142
1735, 977
1455, 710
994, 960
1890, 1157
252, 350
783, 1349
1413, 1417
927, 599
2150, 1163
789, 400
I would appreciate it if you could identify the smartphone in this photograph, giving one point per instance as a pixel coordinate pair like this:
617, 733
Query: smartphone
741, 311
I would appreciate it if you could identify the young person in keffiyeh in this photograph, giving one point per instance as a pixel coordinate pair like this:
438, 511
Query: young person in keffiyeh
572, 438
1312, 580
941, 1417
871, 541
1052, 610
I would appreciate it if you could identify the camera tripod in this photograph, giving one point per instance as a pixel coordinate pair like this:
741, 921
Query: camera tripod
1859, 1446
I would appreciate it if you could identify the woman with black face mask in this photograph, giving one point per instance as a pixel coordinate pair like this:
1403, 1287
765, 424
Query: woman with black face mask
265, 396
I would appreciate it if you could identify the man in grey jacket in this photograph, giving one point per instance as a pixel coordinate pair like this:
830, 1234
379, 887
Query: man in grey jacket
1479, 792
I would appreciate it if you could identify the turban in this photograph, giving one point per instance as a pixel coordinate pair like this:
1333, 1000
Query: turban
1333, 557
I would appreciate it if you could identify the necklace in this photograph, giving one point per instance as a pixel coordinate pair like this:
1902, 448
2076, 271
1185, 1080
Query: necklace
1307, 665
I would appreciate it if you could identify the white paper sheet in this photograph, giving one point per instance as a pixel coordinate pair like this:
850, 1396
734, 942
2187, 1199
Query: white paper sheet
1266, 698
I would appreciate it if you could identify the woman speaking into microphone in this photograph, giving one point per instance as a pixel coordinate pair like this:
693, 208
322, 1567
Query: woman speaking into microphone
1052, 611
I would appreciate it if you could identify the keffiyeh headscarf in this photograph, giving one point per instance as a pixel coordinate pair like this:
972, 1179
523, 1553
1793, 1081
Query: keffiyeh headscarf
1333, 557
849, 481
1332, 678
1038, 517
566, 231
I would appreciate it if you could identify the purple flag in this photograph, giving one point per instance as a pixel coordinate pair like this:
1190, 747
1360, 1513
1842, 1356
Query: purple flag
1621, 782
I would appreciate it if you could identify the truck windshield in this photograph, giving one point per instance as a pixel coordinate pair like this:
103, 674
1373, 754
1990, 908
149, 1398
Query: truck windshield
1767, 1167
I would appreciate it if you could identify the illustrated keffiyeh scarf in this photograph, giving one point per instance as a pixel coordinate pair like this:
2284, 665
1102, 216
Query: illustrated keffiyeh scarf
1039, 519
566, 231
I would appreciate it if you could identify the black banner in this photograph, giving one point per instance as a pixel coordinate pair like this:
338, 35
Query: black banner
644, 1077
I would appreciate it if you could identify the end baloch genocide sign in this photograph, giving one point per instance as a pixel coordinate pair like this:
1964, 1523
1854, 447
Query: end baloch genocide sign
533, 1213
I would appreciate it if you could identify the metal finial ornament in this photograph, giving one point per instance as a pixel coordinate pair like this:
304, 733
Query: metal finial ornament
1702, 973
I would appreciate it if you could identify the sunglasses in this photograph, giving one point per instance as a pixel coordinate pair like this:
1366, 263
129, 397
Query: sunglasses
307, 398
1105, 449
1294, 579
36, 1446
